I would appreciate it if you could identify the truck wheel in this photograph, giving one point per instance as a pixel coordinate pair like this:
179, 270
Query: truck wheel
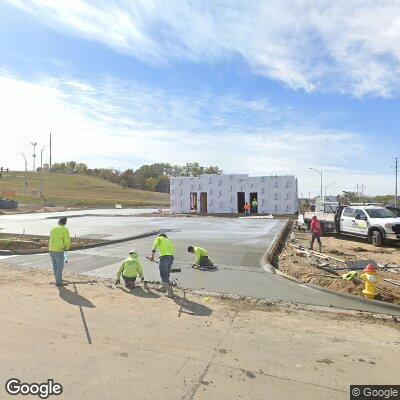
377, 238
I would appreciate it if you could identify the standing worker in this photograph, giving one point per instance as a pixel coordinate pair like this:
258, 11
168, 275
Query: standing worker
58, 244
202, 259
316, 232
254, 205
166, 250
130, 270
246, 208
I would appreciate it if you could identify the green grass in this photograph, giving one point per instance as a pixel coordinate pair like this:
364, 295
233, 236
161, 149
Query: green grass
76, 190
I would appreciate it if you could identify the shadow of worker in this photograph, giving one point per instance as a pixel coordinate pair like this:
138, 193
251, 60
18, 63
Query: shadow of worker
74, 298
190, 307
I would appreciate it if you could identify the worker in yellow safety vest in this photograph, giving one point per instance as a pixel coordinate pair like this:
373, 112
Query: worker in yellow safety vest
59, 243
254, 206
202, 260
166, 250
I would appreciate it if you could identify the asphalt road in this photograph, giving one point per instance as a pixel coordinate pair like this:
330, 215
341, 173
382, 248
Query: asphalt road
235, 245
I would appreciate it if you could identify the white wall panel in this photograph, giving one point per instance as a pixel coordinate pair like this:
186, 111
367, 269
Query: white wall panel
275, 194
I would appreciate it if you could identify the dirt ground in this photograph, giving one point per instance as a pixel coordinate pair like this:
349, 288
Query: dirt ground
103, 342
14, 242
296, 264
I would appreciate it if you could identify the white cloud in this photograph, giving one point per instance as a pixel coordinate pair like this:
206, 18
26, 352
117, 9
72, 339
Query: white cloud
347, 46
125, 124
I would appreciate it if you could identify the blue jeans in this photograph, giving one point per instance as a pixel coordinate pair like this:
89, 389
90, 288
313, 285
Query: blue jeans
57, 259
165, 267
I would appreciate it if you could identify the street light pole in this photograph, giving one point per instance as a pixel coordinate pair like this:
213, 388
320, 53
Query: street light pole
50, 153
41, 170
326, 187
320, 173
26, 169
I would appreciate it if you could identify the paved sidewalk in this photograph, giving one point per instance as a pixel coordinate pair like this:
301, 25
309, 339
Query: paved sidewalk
104, 343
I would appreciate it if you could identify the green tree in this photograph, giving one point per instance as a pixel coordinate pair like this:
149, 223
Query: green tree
150, 184
162, 184
213, 170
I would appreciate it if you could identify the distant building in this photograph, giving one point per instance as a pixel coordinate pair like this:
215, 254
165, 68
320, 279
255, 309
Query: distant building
228, 193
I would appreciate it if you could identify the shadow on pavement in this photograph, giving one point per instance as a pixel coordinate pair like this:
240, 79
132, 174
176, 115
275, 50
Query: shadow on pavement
140, 292
190, 307
74, 298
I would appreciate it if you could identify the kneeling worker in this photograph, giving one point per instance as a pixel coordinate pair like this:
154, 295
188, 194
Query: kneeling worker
130, 270
202, 259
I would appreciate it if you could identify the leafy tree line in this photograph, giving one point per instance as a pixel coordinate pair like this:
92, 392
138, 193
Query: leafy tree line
154, 177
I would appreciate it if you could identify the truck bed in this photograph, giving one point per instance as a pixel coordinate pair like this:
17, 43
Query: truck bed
323, 217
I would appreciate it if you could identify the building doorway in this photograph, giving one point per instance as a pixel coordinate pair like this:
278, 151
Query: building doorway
240, 202
203, 202
254, 203
193, 202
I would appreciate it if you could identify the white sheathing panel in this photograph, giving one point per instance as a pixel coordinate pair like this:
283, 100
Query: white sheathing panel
275, 194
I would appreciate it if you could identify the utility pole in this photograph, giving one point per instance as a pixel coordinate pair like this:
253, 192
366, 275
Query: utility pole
396, 172
34, 155
26, 169
362, 193
50, 153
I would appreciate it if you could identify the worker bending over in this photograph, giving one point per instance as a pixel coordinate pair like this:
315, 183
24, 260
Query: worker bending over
130, 270
202, 259
166, 250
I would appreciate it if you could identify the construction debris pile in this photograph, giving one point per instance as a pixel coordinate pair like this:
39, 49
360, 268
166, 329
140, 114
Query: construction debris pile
340, 265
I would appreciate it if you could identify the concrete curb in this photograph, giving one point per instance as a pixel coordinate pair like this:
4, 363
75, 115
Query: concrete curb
270, 258
91, 246
291, 278
6, 253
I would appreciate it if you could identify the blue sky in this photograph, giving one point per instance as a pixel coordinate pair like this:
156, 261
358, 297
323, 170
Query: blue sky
268, 87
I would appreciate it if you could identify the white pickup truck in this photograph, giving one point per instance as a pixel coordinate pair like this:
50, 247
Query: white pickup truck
377, 224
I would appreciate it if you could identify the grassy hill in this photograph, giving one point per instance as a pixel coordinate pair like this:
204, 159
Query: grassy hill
76, 190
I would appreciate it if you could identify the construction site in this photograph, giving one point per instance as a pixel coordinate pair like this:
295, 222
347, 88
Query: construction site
199, 200
266, 283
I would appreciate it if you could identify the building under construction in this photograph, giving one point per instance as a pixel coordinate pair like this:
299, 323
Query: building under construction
229, 192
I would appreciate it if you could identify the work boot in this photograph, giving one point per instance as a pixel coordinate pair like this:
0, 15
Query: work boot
170, 292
